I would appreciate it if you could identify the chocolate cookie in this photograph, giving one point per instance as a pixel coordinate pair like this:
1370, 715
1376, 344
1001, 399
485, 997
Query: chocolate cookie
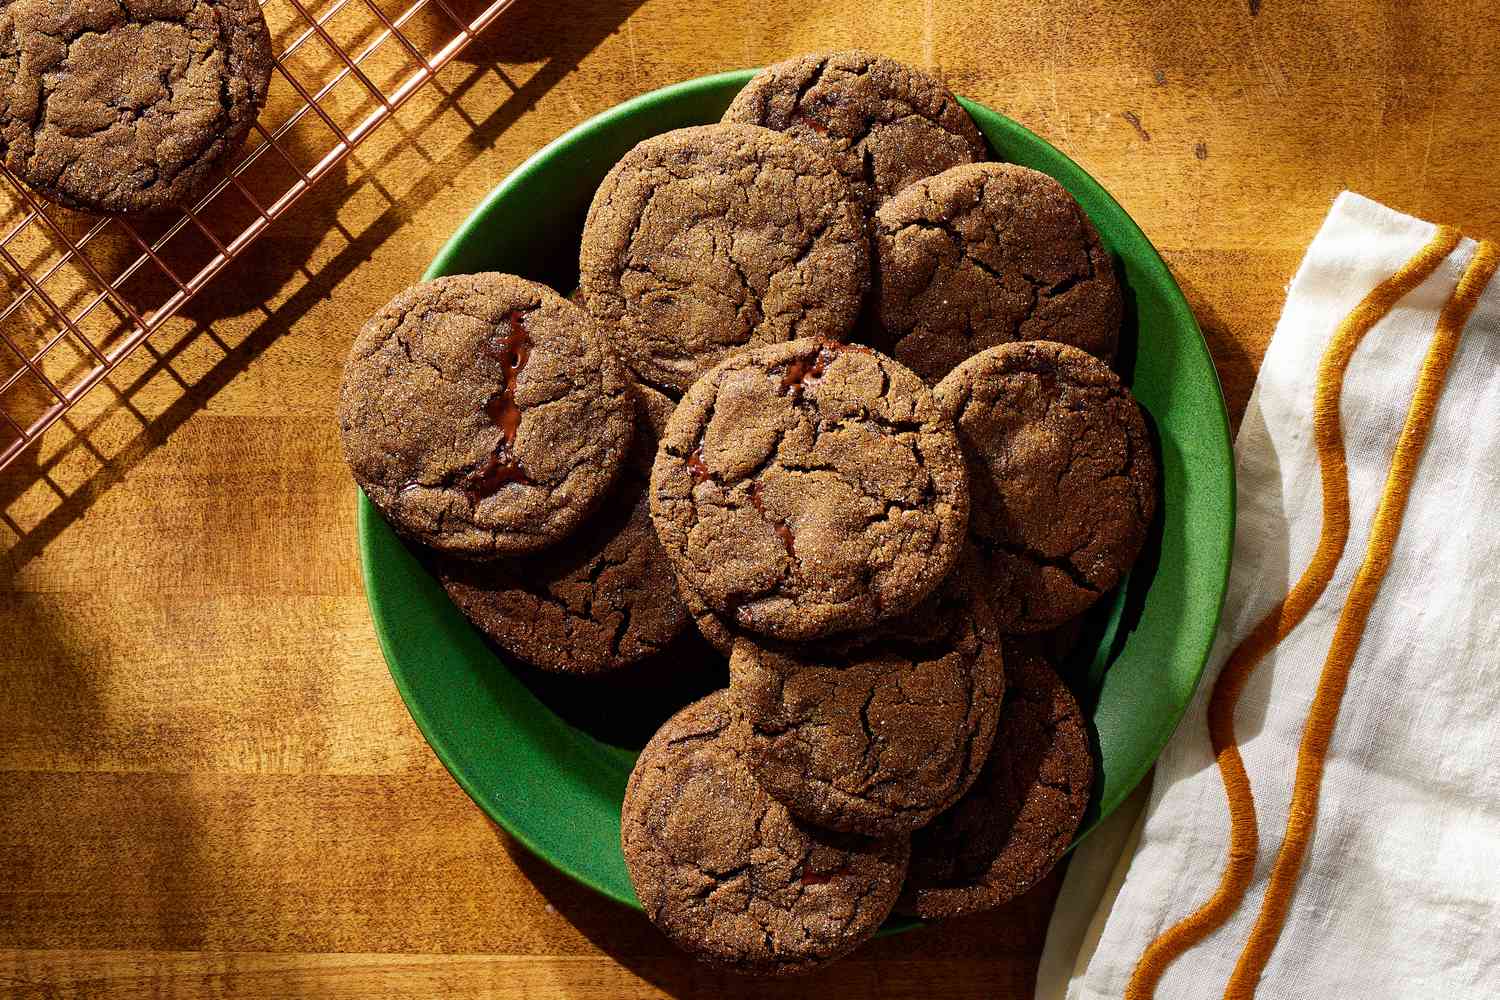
809, 488
880, 731
705, 240
1017, 821
884, 124
1062, 476
727, 873
128, 107
483, 416
602, 598
986, 254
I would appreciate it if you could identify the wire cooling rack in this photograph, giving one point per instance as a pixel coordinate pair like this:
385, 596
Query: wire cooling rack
84, 291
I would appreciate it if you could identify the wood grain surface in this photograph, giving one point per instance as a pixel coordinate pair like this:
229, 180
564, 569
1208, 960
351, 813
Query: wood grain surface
208, 785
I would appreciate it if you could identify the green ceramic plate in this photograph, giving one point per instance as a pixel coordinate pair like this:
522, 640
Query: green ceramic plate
548, 758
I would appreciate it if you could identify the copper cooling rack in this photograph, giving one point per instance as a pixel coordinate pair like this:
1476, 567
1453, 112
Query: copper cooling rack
84, 291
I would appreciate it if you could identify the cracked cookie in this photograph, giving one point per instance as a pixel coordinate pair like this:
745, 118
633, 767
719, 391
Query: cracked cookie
988, 254
1062, 477
1017, 821
602, 598
483, 416
732, 877
877, 732
884, 124
130, 106
705, 240
809, 488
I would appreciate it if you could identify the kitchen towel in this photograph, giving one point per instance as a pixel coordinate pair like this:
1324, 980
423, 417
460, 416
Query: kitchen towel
1325, 823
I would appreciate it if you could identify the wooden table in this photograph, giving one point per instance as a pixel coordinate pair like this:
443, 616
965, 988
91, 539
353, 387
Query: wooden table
208, 784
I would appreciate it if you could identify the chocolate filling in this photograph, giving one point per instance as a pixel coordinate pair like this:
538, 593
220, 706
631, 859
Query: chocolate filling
512, 350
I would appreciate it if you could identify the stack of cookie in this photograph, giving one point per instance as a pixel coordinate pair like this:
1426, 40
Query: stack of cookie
837, 392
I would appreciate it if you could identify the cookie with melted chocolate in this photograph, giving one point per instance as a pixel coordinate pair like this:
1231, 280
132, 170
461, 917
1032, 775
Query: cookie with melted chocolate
483, 416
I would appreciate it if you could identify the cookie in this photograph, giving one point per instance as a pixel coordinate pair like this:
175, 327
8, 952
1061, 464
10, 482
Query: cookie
483, 416
128, 108
728, 874
602, 598
884, 124
1017, 821
877, 732
705, 240
988, 254
1062, 476
809, 488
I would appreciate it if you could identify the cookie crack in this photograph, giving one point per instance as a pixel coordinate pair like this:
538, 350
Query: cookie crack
622, 265
752, 477
872, 741
749, 297
542, 592
700, 737
621, 628
405, 344
811, 243
815, 78
1020, 550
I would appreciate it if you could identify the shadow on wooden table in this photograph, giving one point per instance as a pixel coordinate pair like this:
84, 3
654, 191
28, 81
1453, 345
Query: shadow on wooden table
51, 486
1237, 370
991, 955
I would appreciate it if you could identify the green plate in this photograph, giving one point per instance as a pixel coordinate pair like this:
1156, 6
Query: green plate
547, 758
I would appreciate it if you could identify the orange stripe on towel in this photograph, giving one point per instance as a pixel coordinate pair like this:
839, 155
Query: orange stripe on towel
1282, 618
1318, 729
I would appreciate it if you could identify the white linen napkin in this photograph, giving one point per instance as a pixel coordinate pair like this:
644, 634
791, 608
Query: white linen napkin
1398, 891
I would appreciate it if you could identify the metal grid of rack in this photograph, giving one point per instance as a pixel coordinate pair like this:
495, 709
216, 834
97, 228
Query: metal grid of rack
82, 292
